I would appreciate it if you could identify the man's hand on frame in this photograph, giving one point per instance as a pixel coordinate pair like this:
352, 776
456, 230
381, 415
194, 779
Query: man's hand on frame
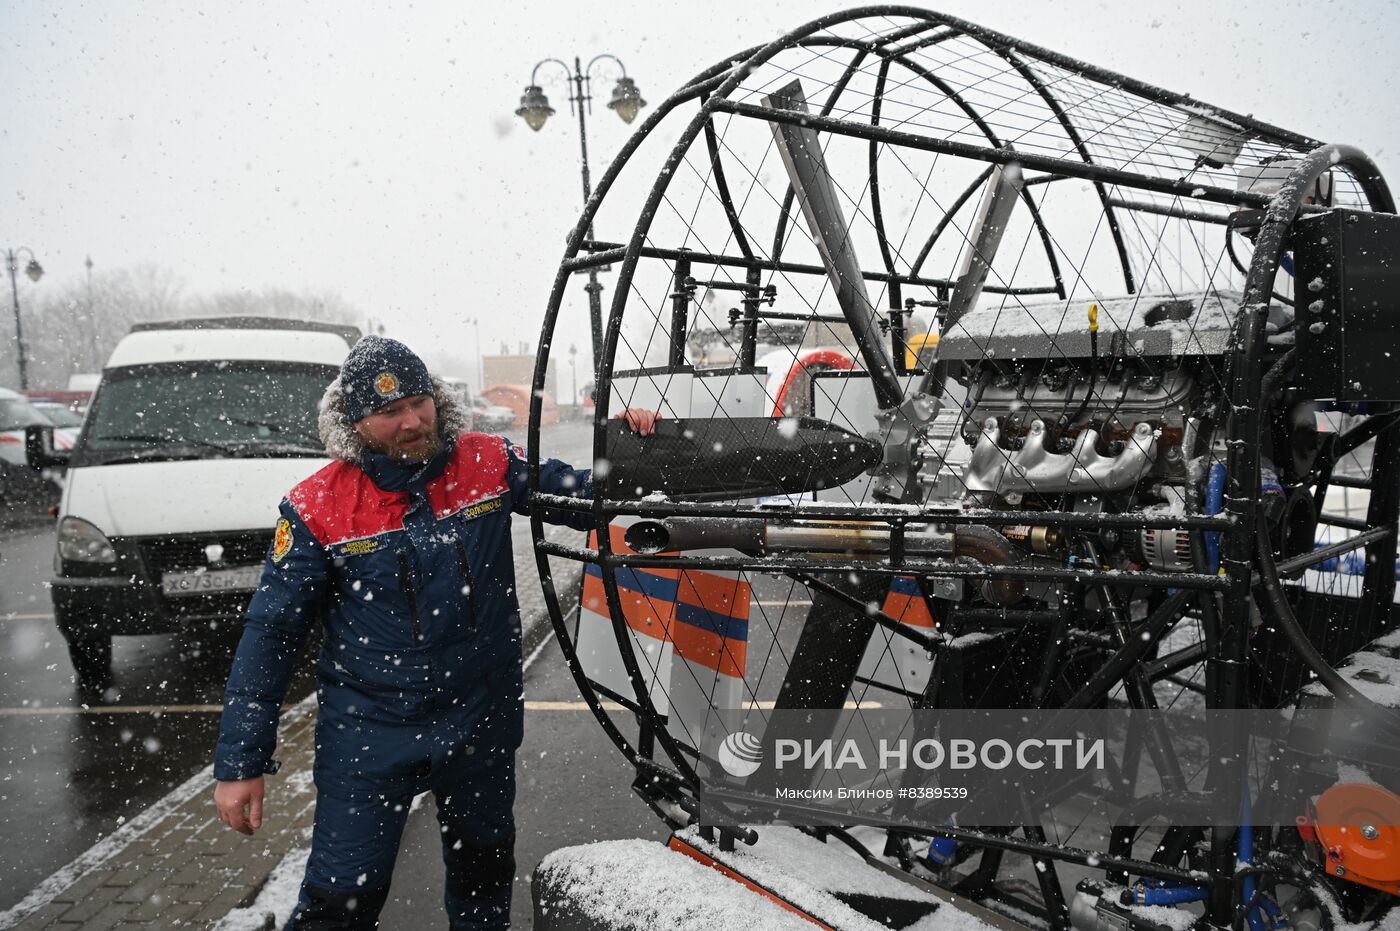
240, 803
639, 420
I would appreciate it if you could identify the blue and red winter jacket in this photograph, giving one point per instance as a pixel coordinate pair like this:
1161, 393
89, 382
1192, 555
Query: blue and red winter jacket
410, 569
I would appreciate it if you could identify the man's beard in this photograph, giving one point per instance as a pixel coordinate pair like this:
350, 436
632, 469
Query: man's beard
395, 449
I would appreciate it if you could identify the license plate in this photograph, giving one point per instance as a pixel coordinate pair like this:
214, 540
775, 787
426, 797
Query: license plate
204, 581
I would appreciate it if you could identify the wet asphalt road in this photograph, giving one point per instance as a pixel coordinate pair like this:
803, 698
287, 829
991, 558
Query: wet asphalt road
71, 775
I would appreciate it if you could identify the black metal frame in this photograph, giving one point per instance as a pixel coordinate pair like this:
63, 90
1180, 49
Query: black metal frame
1226, 654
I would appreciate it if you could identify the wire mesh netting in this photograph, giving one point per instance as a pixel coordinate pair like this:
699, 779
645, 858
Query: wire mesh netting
1020, 294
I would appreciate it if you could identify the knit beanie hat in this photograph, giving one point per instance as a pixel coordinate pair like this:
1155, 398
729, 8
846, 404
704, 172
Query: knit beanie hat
380, 371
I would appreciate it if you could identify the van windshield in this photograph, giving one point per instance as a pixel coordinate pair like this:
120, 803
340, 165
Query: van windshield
204, 410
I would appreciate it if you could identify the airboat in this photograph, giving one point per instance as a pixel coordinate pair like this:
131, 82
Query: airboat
993, 379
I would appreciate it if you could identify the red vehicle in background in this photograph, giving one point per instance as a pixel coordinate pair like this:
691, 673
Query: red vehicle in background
517, 399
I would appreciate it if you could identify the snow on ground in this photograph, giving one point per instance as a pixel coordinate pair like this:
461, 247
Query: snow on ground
278, 897
1372, 674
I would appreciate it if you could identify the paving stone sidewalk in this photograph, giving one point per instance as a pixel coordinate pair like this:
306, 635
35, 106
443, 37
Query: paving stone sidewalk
184, 868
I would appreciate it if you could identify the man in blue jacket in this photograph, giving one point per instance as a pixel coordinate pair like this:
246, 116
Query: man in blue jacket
402, 548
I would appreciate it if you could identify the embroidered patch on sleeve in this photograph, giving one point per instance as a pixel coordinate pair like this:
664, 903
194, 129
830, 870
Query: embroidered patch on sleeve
281, 540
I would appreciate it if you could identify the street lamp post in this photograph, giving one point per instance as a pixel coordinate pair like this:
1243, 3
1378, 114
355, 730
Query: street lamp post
92, 320
626, 102
35, 271
480, 360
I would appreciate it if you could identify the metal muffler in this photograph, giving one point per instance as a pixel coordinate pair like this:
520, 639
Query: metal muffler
764, 536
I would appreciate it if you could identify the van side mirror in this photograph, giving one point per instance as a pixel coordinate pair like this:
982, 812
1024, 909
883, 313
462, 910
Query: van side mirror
39, 449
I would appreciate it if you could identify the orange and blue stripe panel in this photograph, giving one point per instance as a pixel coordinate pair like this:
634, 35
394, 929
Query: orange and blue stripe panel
704, 615
905, 602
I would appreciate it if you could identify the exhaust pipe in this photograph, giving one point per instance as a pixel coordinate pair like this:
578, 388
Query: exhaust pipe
760, 536
990, 548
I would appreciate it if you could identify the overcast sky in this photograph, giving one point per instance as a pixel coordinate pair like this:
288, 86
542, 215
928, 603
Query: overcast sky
371, 149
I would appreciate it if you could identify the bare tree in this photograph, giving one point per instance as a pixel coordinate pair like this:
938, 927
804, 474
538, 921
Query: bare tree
277, 302
75, 327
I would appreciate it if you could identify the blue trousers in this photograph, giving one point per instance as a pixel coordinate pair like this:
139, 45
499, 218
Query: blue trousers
368, 769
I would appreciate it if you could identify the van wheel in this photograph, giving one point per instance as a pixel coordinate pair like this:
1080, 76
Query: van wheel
92, 661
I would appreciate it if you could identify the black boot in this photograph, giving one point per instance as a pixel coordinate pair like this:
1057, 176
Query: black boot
337, 909
479, 884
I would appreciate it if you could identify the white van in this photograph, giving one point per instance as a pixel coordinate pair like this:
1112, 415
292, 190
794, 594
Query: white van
196, 431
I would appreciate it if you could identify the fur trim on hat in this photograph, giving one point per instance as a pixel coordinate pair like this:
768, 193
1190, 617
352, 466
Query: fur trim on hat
342, 442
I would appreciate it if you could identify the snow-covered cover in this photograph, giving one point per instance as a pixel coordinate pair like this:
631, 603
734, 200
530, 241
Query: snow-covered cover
948, 918
639, 885
783, 852
809, 873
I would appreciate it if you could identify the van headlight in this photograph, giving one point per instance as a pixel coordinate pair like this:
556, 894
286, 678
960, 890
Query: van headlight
80, 541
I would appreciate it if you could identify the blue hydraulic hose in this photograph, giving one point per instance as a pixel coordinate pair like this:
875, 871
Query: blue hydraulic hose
1245, 857
1276, 920
1169, 895
942, 851
1215, 500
